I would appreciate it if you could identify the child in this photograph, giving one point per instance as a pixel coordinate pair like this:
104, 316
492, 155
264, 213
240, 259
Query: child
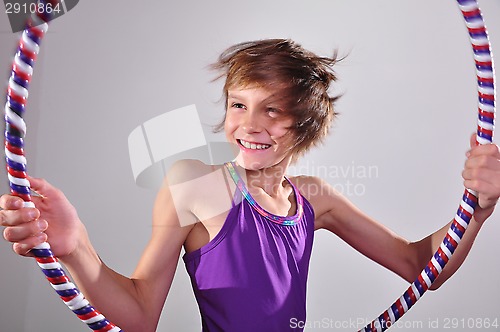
246, 227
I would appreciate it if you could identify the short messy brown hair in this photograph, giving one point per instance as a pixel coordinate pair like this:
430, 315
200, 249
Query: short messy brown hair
300, 76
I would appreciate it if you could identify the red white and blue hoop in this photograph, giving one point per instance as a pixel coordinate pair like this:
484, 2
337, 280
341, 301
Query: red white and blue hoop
485, 125
15, 131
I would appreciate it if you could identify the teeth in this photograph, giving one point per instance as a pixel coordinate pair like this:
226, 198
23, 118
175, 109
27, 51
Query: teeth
254, 146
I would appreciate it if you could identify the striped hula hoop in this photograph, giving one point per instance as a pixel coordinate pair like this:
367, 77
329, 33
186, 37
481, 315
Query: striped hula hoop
485, 125
15, 131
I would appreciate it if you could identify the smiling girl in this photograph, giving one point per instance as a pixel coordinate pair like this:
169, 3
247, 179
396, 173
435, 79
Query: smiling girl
247, 228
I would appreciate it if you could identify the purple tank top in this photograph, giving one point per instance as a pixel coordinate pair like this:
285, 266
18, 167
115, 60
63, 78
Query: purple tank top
253, 275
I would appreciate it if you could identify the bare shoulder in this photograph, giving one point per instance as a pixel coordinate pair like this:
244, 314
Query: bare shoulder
317, 191
313, 187
329, 205
198, 190
305, 183
195, 174
185, 170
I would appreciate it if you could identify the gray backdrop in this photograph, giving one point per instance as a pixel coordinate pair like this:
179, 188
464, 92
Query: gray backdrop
396, 151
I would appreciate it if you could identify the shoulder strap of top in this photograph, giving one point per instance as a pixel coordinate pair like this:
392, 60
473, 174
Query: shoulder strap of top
283, 220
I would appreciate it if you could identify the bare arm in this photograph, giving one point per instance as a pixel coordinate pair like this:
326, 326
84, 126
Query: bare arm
338, 215
132, 303
482, 174
426, 247
380, 244
407, 259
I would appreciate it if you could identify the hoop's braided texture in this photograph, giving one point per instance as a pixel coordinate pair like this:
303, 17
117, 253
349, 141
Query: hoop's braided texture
485, 125
15, 131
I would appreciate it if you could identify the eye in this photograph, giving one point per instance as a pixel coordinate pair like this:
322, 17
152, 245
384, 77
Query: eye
237, 105
273, 112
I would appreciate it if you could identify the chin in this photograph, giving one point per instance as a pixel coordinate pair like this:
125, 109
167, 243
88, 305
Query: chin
255, 164
251, 165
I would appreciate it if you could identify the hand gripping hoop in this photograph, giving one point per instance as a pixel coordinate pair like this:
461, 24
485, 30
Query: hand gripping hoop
485, 125
15, 131
17, 95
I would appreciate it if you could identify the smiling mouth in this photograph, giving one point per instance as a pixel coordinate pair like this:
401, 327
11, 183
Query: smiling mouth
253, 146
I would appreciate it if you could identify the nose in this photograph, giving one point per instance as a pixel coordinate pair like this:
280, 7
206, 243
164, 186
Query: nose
251, 123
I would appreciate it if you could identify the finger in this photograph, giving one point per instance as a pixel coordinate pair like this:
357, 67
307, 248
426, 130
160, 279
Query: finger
41, 186
482, 162
491, 150
23, 247
11, 202
481, 172
17, 217
482, 185
474, 185
473, 141
24, 231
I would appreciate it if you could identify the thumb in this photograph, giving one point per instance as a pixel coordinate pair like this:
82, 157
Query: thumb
473, 141
41, 186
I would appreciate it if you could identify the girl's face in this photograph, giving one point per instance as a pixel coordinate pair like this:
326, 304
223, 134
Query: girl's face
259, 127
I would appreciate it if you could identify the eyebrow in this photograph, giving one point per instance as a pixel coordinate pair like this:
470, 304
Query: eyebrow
270, 99
234, 96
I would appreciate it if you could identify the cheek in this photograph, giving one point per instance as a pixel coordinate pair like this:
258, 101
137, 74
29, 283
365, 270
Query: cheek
281, 131
229, 123
230, 128
284, 139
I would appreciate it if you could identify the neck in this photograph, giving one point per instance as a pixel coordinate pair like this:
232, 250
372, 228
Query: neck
270, 179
